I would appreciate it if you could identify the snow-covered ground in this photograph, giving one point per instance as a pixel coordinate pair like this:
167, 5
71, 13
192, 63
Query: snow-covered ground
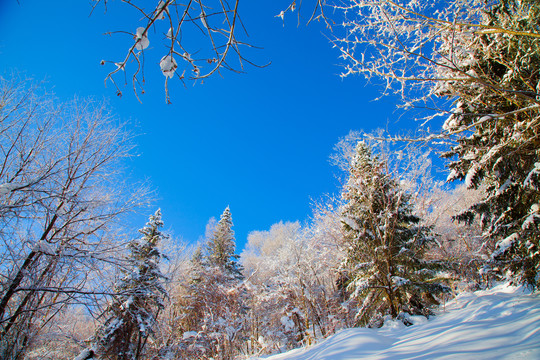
500, 323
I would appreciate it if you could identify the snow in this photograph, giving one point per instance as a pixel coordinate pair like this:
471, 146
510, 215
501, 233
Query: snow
287, 323
6, 188
189, 334
505, 186
487, 118
203, 20
491, 153
351, 222
500, 323
529, 181
471, 175
452, 175
450, 123
399, 281
127, 304
531, 220
168, 66
86, 354
505, 244
161, 10
141, 39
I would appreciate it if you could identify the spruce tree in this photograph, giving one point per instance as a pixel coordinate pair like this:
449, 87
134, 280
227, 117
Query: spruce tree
221, 247
132, 314
500, 152
212, 306
384, 266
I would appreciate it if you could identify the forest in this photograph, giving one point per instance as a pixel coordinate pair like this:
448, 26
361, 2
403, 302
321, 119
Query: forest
393, 242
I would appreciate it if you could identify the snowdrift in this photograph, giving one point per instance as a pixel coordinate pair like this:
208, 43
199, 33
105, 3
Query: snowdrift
500, 323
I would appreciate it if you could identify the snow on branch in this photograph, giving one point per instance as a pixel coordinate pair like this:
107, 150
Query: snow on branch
212, 44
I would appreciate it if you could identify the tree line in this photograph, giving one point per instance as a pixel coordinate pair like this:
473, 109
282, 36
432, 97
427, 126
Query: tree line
392, 245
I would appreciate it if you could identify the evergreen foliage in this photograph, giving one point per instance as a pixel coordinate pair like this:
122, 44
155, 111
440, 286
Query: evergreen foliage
211, 307
499, 105
132, 315
384, 265
483, 56
221, 247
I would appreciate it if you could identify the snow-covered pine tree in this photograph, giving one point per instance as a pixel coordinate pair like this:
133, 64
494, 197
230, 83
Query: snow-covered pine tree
500, 105
139, 297
384, 265
221, 248
483, 56
212, 307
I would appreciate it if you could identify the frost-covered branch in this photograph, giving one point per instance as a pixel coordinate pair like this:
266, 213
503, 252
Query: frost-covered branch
211, 43
61, 200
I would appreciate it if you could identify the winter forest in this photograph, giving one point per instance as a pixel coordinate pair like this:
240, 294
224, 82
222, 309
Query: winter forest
394, 241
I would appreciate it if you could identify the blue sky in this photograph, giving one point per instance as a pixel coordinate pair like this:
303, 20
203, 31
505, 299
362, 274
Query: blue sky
258, 141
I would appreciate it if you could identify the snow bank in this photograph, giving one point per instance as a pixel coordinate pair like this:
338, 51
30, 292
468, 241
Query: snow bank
501, 323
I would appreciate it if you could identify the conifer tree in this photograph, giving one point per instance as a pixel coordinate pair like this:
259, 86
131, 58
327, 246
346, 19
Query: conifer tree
483, 57
133, 312
384, 265
221, 247
211, 319
501, 152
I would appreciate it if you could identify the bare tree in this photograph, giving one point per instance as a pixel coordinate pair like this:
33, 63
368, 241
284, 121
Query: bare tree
63, 336
199, 38
291, 273
316, 11
60, 201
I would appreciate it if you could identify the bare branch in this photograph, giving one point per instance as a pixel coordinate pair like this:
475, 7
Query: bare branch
212, 28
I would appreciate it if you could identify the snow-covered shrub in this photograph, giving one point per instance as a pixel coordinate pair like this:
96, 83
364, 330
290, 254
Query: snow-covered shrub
291, 279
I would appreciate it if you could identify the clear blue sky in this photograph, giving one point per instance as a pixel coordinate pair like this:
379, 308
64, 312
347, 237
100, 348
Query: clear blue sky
258, 142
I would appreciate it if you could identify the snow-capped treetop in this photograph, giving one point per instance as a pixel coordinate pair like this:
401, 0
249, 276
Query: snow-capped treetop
221, 246
139, 295
385, 243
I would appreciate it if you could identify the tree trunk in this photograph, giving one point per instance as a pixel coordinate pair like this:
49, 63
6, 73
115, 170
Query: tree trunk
30, 260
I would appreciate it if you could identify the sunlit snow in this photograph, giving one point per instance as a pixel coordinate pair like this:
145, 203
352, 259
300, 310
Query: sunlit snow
501, 323
168, 66
505, 244
6, 188
142, 39
161, 10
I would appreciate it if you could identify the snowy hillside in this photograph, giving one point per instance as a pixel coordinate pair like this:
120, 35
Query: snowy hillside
501, 323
